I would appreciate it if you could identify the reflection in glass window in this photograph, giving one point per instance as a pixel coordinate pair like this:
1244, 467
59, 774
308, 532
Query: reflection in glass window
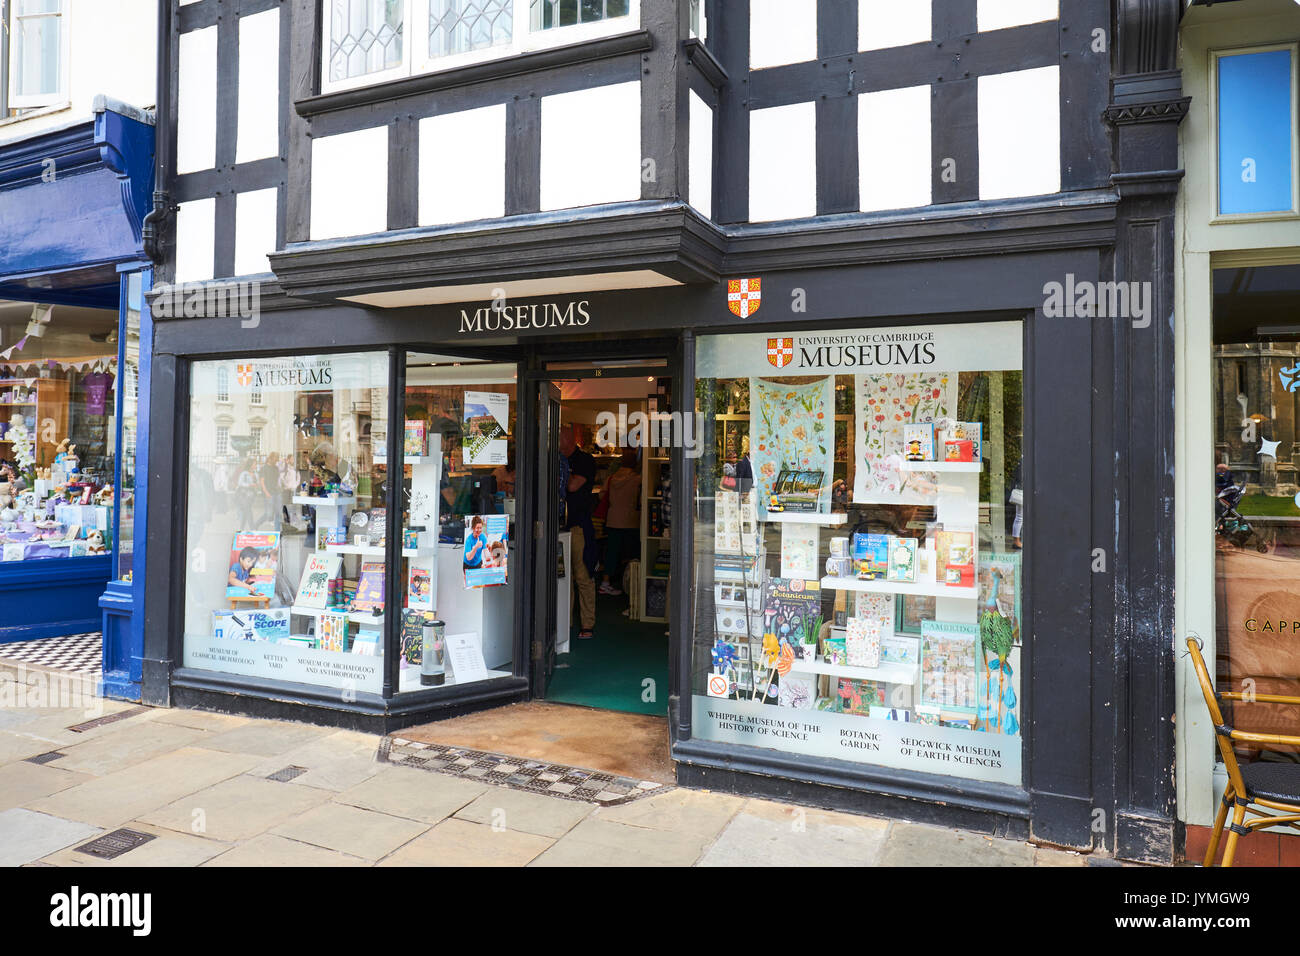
1256, 118
287, 523
1257, 492
859, 522
549, 14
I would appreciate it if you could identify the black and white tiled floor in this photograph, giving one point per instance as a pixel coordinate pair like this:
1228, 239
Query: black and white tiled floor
75, 653
533, 776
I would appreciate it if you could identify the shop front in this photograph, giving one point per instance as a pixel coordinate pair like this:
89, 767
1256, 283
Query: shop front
72, 277
877, 519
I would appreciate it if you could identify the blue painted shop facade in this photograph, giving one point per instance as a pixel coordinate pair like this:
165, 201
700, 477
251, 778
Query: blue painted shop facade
73, 201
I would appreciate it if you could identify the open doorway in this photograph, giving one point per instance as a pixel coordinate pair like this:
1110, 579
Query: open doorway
611, 484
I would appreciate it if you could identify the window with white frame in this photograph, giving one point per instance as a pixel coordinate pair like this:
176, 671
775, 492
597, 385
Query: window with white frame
369, 41
37, 50
223, 384
255, 396
255, 446
223, 441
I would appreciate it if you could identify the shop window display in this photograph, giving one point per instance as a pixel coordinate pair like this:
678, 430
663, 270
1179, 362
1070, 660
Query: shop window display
458, 548
858, 560
58, 430
287, 526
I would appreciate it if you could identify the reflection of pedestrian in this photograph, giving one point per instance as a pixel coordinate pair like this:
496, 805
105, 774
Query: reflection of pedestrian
1017, 498
245, 496
272, 495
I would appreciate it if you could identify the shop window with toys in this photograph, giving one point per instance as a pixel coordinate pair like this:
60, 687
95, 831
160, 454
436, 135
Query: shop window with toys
285, 577
58, 430
858, 559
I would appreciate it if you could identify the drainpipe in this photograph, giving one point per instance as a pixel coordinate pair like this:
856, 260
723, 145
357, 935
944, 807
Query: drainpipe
155, 221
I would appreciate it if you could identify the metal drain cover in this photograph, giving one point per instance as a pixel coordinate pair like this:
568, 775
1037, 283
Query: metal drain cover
106, 719
287, 774
46, 757
112, 845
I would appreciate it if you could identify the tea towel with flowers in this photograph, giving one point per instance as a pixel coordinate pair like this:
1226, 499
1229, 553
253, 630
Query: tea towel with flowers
790, 426
883, 404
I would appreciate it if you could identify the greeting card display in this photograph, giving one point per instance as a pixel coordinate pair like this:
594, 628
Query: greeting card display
962, 441
254, 558
878, 608
317, 573
862, 642
902, 560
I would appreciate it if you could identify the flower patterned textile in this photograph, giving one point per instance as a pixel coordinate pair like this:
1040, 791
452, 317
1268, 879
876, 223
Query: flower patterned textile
883, 404
791, 426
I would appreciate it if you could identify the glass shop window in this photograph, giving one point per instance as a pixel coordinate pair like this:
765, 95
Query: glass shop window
58, 430
459, 546
1256, 111
859, 518
286, 525
1257, 499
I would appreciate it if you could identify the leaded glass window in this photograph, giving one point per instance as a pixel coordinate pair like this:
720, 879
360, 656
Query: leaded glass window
459, 26
548, 14
365, 37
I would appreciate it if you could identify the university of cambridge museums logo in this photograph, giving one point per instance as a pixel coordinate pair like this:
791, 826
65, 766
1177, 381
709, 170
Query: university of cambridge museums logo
780, 352
744, 296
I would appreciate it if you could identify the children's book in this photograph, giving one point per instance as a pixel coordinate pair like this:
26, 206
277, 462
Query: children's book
254, 558
411, 637
791, 607
370, 589
918, 441
317, 573
419, 588
332, 631
948, 655
902, 560
413, 443
871, 555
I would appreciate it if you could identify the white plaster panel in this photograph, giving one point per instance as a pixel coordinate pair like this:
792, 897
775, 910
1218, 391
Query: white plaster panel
701, 156
782, 31
259, 87
463, 166
1020, 133
196, 240
889, 23
894, 162
591, 146
349, 183
783, 162
255, 216
196, 101
999, 14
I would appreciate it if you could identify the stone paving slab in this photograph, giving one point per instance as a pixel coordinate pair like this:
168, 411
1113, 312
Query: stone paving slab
200, 719
915, 844
26, 836
106, 753
525, 812
335, 762
20, 746
236, 809
364, 833
600, 842
167, 848
764, 833
265, 738
697, 813
457, 842
271, 850
413, 794
23, 781
127, 794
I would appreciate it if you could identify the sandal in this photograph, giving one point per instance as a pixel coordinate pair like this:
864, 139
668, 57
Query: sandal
585, 635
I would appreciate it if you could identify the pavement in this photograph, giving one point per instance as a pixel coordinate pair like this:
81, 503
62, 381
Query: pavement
206, 788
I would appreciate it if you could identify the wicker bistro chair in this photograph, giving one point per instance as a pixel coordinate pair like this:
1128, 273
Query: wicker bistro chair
1275, 786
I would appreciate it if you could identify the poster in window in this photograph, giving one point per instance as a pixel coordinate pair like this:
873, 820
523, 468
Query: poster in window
487, 416
254, 558
487, 550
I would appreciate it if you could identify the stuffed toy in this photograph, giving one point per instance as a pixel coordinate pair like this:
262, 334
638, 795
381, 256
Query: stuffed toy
95, 543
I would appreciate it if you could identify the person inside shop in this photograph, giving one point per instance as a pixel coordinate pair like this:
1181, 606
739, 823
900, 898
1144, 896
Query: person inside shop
622, 520
578, 508
505, 474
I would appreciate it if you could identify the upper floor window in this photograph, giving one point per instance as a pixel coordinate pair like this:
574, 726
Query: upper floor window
369, 41
36, 49
223, 384
1256, 120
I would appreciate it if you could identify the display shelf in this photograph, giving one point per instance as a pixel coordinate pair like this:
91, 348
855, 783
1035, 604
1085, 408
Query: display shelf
356, 617
807, 517
965, 467
377, 551
886, 673
329, 502
880, 585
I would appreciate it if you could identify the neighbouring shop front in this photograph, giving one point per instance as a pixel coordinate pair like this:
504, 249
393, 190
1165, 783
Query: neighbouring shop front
72, 383
877, 515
